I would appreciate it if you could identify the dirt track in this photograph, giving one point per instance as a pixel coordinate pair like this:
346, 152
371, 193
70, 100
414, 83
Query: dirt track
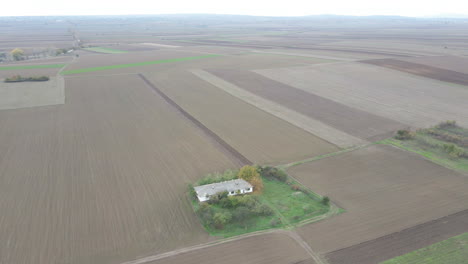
405, 241
422, 70
235, 155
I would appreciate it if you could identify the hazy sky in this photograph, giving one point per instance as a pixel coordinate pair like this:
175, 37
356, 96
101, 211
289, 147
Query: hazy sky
246, 7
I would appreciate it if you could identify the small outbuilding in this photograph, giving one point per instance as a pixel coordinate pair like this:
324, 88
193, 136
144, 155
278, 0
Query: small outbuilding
233, 187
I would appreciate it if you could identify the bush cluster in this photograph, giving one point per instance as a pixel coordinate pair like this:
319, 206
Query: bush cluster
19, 78
218, 177
447, 124
273, 173
455, 151
448, 137
222, 209
404, 135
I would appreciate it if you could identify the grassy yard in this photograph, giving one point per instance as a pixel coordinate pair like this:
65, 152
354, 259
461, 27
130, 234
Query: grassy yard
128, 65
105, 50
427, 143
289, 207
26, 67
451, 251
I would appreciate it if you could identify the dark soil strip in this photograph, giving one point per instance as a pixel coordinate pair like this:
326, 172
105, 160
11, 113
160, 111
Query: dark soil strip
349, 51
400, 243
231, 152
353, 121
422, 70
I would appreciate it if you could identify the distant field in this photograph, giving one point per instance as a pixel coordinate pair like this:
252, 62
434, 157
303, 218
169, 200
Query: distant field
451, 251
409, 99
129, 65
26, 67
105, 50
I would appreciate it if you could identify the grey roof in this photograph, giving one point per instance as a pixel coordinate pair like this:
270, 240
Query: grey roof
229, 186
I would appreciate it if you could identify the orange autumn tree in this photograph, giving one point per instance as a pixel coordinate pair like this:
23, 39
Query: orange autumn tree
251, 175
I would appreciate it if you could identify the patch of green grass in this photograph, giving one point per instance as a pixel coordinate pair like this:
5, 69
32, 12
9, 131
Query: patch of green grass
451, 251
289, 206
431, 148
293, 206
105, 50
26, 67
128, 65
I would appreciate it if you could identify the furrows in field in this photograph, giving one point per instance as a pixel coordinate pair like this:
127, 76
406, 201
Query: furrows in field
231, 152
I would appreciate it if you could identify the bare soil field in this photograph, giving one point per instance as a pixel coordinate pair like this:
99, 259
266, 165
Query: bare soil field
412, 100
355, 122
383, 190
405, 241
31, 94
268, 248
261, 137
453, 63
422, 70
106, 176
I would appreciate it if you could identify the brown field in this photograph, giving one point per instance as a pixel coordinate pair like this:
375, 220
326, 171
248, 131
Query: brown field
454, 63
261, 137
383, 190
269, 248
355, 122
422, 70
104, 179
405, 241
412, 100
100, 175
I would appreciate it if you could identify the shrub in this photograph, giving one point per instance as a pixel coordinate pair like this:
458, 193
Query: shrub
205, 212
251, 175
307, 208
192, 192
220, 219
325, 200
275, 222
19, 78
447, 124
295, 187
404, 135
273, 173
263, 209
218, 177
241, 215
454, 151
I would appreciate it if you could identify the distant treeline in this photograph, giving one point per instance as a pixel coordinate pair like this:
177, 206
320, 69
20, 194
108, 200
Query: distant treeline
19, 78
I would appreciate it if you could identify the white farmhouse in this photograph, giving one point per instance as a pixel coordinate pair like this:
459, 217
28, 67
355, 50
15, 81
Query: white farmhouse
233, 187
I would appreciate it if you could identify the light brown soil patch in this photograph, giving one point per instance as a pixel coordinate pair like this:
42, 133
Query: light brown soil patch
355, 122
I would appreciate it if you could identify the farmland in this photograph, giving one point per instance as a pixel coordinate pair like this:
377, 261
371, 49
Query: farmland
95, 163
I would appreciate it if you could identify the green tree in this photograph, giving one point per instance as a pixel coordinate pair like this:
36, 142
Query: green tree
251, 175
325, 200
17, 54
221, 219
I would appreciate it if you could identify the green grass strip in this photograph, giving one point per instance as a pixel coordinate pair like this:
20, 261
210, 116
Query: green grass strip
128, 65
451, 251
106, 50
26, 67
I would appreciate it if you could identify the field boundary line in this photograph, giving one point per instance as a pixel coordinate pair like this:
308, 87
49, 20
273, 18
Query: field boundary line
293, 235
315, 127
230, 152
433, 221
